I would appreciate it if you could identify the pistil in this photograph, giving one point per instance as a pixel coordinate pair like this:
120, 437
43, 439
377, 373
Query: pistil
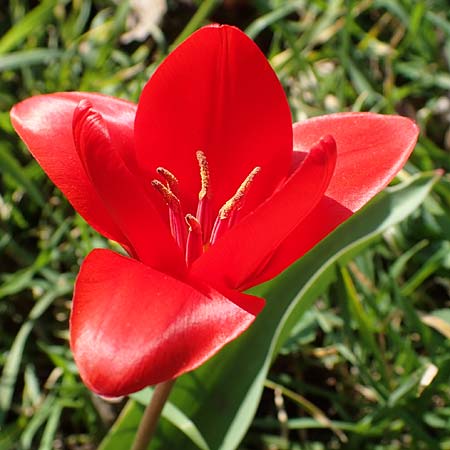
194, 245
195, 234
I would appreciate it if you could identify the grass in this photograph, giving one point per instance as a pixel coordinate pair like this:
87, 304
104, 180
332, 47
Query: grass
368, 366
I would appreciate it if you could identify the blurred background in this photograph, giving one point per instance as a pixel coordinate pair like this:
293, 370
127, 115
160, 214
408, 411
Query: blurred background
368, 366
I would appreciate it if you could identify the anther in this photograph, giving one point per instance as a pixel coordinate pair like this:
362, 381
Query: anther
177, 225
194, 245
203, 208
204, 174
236, 202
170, 178
169, 197
228, 213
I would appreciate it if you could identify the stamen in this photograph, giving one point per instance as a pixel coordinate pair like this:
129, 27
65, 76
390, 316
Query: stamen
177, 226
203, 207
169, 197
236, 202
194, 246
204, 175
171, 180
198, 236
228, 213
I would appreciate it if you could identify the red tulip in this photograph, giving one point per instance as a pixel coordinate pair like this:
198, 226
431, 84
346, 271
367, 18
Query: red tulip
208, 190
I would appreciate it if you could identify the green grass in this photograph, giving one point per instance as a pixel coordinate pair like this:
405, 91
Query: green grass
368, 366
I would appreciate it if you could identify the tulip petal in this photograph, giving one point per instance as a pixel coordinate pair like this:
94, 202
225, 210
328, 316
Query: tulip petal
132, 326
235, 257
215, 93
123, 194
44, 123
372, 148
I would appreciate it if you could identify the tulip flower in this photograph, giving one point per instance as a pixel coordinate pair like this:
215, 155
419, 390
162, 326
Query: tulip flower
209, 189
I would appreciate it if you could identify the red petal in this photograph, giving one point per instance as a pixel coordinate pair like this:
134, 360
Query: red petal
236, 257
44, 123
132, 326
372, 148
216, 93
123, 194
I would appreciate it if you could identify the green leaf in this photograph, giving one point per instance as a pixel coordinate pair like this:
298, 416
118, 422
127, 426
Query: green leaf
9, 436
204, 10
118, 436
27, 26
26, 58
265, 21
50, 429
121, 434
40, 415
176, 417
9, 165
14, 358
221, 397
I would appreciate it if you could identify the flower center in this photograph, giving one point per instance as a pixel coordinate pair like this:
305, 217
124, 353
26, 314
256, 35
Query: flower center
195, 234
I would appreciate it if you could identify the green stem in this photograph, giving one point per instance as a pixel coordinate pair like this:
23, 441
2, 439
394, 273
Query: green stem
151, 415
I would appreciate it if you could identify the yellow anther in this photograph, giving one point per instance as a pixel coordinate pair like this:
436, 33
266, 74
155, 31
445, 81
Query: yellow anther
235, 203
169, 197
171, 179
204, 175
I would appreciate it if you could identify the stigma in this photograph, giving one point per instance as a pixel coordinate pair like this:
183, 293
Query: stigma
195, 234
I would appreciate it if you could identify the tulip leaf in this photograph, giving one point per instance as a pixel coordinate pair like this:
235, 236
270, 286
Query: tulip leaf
176, 417
123, 431
121, 434
221, 396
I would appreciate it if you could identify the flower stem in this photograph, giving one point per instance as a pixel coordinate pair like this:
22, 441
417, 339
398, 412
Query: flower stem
151, 415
